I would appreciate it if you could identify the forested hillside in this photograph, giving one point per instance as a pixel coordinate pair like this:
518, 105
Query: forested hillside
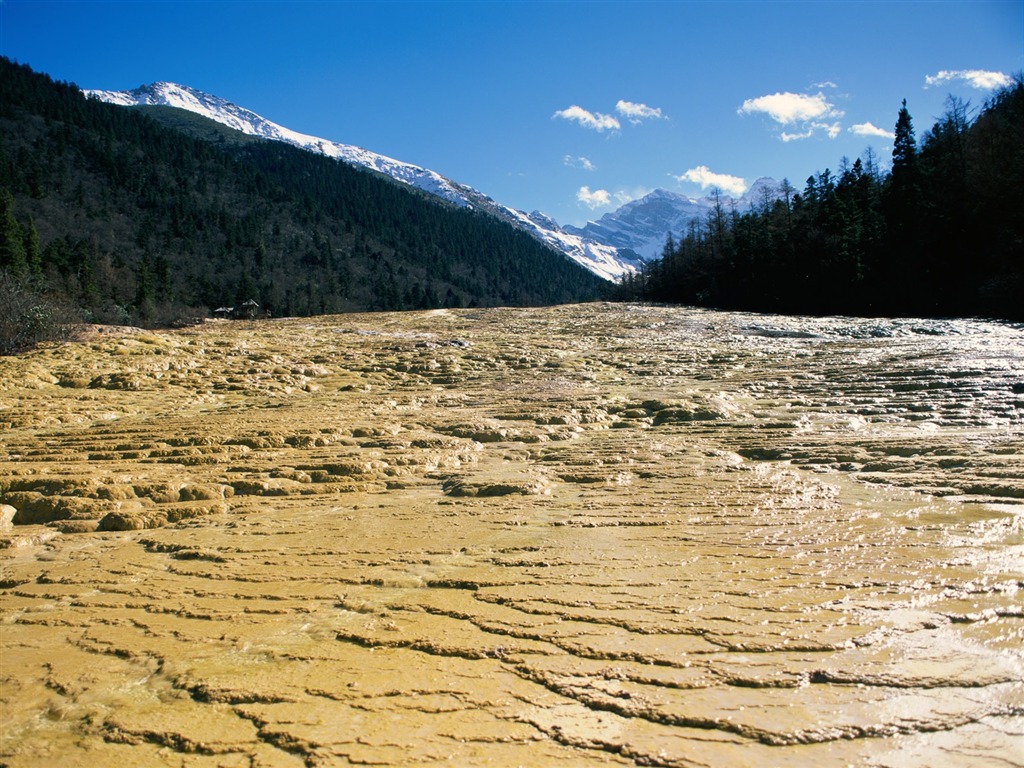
147, 219
942, 234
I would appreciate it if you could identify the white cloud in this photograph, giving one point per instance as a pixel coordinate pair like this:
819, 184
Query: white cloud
705, 177
592, 120
976, 78
788, 137
869, 129
601, 198
789, 108
832, 130
624, 196
802, 113
637, 112
595, 199
579, 162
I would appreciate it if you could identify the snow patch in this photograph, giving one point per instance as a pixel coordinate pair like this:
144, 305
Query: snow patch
601, 258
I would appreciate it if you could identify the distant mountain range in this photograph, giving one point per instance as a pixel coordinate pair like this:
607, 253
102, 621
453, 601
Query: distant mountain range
643, 225
609, 247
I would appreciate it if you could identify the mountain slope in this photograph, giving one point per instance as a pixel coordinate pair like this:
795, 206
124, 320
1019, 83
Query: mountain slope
248, 122
135, 221
601, 258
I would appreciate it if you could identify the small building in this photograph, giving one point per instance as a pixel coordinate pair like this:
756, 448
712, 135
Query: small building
250, 310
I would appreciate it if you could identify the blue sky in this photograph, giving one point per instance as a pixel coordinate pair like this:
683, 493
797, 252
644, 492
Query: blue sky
570, 108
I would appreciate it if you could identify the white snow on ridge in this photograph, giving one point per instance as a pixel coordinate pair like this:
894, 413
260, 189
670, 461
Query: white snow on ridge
248, 122
643, 225
602, 260
615, 245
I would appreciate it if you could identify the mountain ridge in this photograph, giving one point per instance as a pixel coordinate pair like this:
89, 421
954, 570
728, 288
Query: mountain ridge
643, 225
600, 258
158, 216
614, 245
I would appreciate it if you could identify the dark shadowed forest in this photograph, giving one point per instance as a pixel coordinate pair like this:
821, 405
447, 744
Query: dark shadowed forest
122, 216
941, 234
158, 216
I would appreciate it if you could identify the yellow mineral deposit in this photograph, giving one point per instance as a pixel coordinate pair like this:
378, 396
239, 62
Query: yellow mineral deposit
585, 535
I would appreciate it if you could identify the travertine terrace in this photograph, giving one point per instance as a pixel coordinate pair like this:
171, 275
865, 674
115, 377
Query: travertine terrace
587, 535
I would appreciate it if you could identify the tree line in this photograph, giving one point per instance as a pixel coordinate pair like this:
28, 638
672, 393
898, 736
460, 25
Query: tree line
940, 234
149, 216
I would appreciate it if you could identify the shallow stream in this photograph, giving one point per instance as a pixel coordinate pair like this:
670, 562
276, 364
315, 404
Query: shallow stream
586, 535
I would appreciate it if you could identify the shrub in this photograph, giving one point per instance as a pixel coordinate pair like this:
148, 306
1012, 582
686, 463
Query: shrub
28, 315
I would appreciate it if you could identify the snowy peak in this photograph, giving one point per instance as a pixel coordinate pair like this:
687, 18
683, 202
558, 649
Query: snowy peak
248, 122
600, 258
166, 94
213, 107
765, 189
642, 225
611, 246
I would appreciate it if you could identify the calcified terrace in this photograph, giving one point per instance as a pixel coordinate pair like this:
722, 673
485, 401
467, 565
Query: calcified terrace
587, 535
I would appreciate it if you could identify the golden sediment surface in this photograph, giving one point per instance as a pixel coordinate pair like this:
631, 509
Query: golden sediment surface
572, 536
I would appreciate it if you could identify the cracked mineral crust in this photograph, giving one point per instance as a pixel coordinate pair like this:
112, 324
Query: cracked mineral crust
572, 536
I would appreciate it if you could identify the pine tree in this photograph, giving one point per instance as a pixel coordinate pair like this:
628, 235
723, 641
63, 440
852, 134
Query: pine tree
145, 305
33, 251
904, 173
903, 182
12, 239
906, 264
904, 147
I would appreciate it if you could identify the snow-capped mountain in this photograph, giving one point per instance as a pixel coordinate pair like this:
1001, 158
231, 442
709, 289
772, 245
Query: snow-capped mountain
248, 122
601, 258
643, 225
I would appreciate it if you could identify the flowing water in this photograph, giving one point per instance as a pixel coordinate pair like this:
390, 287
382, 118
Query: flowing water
587, 535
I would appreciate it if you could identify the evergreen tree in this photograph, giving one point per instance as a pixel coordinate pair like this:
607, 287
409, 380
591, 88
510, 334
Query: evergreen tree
12, 239
903, 181
905, 263
33, 251
904, 148
946, 227
942, 234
